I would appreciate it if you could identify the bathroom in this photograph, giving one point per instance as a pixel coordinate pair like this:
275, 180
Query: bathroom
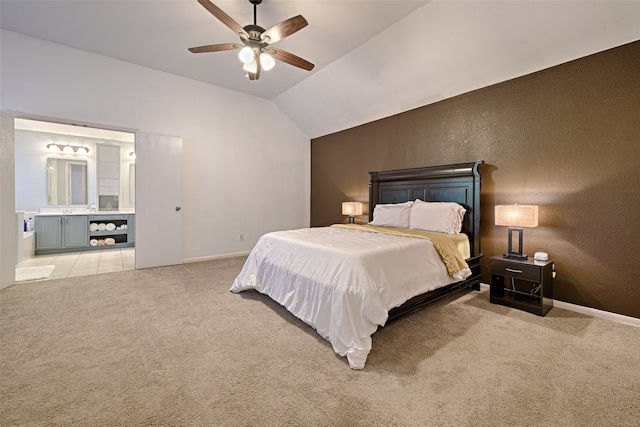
63, 171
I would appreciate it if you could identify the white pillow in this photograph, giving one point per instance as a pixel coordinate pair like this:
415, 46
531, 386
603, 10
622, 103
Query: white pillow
392, 215
441, 217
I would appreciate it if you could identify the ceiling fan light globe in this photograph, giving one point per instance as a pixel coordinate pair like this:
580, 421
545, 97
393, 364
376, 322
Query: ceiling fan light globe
252, 67
246, 55
266, 61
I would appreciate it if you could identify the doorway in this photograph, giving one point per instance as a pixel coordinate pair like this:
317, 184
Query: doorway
162, 158
72, 186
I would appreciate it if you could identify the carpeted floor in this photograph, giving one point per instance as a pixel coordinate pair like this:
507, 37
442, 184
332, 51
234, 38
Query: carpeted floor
171, 346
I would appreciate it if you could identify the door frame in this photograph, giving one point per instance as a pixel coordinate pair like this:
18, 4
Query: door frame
8, 226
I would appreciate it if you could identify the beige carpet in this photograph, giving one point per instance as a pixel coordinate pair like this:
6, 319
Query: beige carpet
172, 347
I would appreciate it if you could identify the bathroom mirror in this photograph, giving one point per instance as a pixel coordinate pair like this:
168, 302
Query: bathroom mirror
66, 181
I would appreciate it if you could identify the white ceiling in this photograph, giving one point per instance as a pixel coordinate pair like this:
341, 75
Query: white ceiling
374, 58
157, 33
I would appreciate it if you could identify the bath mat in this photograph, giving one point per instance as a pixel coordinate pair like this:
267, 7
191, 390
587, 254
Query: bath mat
25, 274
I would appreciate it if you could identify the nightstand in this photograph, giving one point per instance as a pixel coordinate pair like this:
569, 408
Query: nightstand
523, 284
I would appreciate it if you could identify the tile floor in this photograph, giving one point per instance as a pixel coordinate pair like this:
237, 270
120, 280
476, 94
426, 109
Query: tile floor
86, 263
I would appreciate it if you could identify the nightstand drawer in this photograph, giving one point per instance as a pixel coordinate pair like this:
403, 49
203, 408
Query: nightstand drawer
516, 270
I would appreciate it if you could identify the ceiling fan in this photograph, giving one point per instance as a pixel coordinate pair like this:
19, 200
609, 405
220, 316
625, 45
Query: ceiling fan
255, 50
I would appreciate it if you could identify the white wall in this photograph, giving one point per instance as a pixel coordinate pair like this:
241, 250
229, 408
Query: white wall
246, 165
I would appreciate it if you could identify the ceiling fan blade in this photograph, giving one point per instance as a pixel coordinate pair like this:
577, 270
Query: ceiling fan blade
223, 17
214, 47
291, 59
284, 29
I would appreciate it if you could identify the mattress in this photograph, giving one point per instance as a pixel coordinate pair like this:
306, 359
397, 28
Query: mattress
343, 282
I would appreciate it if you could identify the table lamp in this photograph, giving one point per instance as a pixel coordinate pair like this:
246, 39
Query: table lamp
352, 209
516, 217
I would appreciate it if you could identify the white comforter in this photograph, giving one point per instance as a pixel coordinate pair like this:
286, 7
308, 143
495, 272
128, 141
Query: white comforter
342, 282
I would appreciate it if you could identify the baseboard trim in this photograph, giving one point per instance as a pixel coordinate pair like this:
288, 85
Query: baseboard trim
594, 312
211, 258
601, 314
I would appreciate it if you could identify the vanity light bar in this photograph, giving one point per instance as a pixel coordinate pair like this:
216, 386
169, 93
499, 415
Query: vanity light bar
68, 148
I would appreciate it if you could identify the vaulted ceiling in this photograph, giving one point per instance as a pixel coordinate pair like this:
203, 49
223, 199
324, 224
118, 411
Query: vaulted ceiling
373, 58
157, 33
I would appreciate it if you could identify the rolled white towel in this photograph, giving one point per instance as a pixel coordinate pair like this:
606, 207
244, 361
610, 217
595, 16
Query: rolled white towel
93, 242
102, 226
93, 227
111, 226
123, 227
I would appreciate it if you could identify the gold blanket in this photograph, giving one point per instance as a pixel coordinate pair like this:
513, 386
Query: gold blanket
451, 256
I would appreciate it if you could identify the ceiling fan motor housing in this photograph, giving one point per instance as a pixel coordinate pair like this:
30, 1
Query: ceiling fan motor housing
254, 31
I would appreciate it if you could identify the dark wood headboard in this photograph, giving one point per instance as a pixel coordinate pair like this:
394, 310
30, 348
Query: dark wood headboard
458, 183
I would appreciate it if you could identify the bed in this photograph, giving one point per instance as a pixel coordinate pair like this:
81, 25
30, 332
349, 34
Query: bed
347, 280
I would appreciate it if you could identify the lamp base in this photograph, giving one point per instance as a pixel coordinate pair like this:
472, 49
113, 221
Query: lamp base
516, 256
511, 254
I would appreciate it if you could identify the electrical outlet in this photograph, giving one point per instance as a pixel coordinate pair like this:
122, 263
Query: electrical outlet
241, 237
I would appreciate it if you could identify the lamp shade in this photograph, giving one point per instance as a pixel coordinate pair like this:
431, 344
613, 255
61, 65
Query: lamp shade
246, 55
352, 208
517, 215
266, 61
251, 67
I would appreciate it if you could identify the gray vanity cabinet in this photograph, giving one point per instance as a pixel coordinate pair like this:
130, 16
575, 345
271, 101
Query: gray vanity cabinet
68, 233
76, 231
48, 232
57, 233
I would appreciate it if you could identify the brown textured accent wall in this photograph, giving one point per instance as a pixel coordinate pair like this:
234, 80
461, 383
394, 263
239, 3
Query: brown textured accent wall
566, 138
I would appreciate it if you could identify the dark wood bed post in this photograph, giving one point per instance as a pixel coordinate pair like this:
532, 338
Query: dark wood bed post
458, 183
476, 207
